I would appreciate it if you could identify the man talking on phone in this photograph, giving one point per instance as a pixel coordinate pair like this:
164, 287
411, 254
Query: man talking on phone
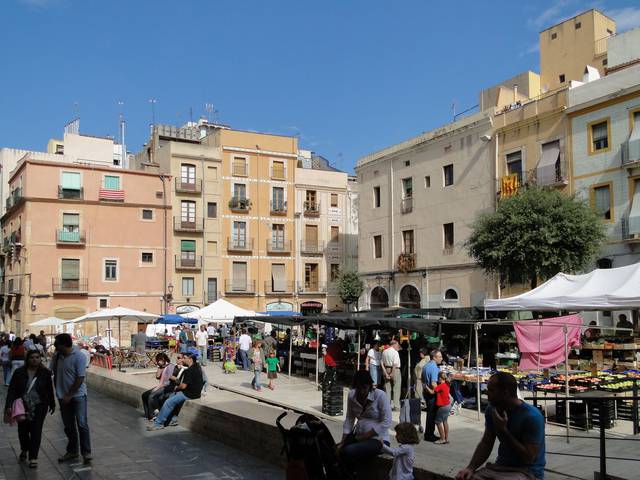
519, 428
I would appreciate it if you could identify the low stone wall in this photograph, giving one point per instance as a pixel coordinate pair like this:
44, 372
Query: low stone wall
255, 437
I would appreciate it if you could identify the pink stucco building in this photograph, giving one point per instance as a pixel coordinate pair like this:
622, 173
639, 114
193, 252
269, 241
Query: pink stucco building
78, 237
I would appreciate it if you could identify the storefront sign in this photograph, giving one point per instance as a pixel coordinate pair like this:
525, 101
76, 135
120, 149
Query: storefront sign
279, 307
182, 309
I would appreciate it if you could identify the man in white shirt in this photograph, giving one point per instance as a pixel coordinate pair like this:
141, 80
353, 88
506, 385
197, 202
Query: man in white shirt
202, 340
211, 330
391, 373
245, 344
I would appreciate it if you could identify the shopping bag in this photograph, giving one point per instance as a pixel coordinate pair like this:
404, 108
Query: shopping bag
410, 410
18, 413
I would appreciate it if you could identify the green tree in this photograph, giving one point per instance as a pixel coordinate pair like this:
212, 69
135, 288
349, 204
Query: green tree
534, 235
350, 287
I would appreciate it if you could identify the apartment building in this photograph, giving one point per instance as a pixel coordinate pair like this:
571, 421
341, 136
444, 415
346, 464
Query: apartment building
193, 160
326, 227
604, 115
77, 238
417, 201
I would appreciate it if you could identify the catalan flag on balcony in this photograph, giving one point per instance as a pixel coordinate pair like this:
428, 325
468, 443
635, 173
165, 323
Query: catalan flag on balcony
509, 185
113, 195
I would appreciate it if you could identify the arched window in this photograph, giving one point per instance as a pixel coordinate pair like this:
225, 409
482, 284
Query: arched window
409, 297
450, 294
379, 298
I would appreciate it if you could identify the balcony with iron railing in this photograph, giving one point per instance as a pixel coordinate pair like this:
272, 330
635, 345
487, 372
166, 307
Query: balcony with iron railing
629, 227
630, 151
239, 244
334, 245
311, 247
188, 262
14, 197
406, 205
548, 176
312, 208
239, 204
65, 237
312, 287
191, 186
14, 287
72, 286
278, 246
192, 224
279, 288
70, 193
240, 287
278, 207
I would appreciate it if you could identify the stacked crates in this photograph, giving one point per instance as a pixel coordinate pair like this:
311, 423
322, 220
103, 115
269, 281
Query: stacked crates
332, 397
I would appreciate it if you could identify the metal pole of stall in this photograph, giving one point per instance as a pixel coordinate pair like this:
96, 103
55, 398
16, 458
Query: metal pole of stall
539, 343
566, 377
359, 347
470, 335
477, 326
290, 349
317, 351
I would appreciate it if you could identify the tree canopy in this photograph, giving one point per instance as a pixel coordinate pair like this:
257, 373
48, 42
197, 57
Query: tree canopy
350, 287
535, 234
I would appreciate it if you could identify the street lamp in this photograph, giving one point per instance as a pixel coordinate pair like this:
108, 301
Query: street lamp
168, 297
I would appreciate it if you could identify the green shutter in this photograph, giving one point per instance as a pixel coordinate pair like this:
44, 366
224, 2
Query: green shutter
71, 180
70, 219
111, 182
70, 269
188, 245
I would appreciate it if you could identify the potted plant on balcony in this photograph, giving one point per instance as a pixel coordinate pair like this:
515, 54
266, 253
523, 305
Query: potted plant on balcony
238, 203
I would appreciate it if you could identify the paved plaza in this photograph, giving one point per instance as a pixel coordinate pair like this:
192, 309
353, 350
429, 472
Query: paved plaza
122, 449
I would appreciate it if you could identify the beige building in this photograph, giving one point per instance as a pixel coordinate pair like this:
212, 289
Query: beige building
327, 231
416, 202
77, 238
193, 159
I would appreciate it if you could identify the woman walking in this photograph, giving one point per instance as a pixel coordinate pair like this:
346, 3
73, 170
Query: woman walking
257, 360
33, 385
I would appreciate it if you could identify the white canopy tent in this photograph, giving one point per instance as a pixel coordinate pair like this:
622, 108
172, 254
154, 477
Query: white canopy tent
601, 289
219, 311
49, 322
118, 313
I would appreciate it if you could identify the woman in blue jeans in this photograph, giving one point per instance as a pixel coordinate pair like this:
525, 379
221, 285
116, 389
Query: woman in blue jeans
367, 422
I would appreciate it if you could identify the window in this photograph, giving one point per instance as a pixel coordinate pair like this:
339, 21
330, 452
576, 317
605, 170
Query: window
111, 270
212, 248
602, 201
311, 276
277, 204
277, 236
376, 197
599, 133
334, 272
111, 182
239, 276
311, 197
561, 77
70, 228
239, 190
604, 263
59, 149
514, 165
103, 303
212, 173
335, 234
447, 230
187, 286
187, 174
212, 290
147, 214
427, 181
70, 273
450, 294
334, 199
278, 277
188, 211
407, 163
447, 172
407, 187
377, 246
407, 242
554, 36
277, 170
212, 210
578, 25
605, 62
71, 181
147, 257
240, 234
239, 166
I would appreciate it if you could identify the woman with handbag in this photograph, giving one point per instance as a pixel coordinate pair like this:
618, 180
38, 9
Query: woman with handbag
30, 395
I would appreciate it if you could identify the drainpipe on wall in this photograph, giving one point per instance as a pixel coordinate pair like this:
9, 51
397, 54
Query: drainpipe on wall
205, 286
164, 243
393, 235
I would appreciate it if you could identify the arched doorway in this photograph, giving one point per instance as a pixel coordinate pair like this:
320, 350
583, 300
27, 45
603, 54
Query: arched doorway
409, 297
379, 299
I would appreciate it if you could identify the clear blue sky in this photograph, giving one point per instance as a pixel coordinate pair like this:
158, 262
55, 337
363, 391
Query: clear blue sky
350, 77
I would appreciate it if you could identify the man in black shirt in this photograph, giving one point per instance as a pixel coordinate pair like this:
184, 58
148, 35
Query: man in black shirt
189, 388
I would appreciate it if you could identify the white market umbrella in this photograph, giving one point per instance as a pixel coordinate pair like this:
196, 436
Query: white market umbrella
120, 313
49, 322
219, 311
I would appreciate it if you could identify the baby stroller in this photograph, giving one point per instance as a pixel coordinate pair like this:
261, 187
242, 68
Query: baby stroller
311, 451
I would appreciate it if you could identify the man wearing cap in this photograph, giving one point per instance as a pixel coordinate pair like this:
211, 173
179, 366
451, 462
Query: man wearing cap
69, 366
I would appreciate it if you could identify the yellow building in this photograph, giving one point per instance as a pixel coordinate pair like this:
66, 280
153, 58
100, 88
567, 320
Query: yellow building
258, 254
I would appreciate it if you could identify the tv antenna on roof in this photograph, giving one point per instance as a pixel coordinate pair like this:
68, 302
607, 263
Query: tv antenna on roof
153, 102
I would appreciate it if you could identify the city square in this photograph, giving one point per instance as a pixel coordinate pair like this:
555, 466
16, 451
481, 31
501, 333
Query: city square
279, 280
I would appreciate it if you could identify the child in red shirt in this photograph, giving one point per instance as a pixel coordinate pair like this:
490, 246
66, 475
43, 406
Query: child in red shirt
443, 402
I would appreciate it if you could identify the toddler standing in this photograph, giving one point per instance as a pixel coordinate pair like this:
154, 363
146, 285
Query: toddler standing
403, 455
273, 367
